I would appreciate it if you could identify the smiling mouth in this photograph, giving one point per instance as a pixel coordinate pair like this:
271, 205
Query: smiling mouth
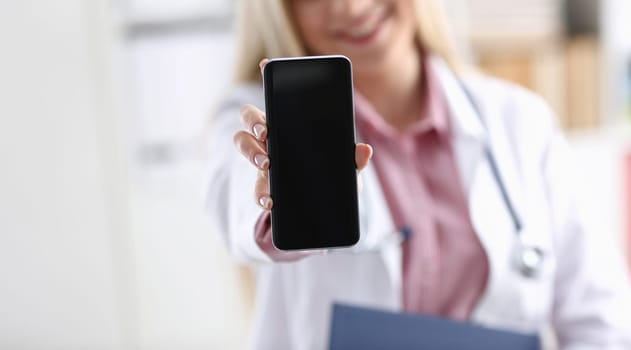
367, 29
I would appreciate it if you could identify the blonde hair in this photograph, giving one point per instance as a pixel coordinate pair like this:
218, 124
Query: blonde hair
265, 29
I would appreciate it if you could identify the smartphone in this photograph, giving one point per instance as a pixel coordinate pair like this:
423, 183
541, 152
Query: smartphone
311, 146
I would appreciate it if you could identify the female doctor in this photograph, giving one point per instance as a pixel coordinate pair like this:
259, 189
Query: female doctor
467, 209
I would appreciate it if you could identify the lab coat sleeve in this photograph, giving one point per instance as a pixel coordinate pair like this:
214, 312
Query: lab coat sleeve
592, 301
229, 193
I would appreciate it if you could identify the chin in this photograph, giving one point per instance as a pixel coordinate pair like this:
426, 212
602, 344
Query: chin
368, 63
392, 46
378, 57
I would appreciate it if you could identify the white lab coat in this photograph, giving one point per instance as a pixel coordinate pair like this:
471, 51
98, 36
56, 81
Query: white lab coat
582, 290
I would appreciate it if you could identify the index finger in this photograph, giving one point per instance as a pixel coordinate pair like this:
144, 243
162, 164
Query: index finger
253, 120
262, 64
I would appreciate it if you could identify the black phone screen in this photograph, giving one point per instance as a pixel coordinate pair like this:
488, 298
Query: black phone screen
311, 146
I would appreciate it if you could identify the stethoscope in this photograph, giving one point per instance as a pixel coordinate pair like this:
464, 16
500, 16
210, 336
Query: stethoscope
527, 259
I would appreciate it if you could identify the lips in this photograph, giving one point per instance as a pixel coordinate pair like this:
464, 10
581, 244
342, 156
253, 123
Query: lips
365, 28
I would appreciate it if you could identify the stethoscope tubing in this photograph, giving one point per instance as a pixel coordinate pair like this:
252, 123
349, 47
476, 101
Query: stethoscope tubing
528, 258
488, 153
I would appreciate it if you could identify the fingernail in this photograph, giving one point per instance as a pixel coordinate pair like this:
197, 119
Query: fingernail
265, 202
261, 161
258, 131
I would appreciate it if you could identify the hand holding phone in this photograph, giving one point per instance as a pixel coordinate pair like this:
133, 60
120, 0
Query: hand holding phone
252, 142
311, 146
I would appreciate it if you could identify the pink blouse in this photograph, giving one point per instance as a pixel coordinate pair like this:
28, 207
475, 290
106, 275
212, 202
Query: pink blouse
445, 268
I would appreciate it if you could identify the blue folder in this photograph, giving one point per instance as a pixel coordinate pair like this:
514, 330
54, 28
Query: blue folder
365, 329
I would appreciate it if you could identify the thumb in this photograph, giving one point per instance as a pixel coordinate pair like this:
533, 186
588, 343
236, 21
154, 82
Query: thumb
363, 153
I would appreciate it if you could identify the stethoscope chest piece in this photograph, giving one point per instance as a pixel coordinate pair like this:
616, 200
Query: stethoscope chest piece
528, 260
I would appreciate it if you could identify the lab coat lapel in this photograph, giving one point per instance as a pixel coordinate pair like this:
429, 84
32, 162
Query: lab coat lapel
377, 224
488, 212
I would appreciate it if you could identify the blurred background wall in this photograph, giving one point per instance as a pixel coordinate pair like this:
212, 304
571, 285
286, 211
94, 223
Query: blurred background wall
63, 196
103, 107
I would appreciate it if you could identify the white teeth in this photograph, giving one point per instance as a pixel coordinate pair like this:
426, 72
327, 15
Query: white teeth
365, 29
